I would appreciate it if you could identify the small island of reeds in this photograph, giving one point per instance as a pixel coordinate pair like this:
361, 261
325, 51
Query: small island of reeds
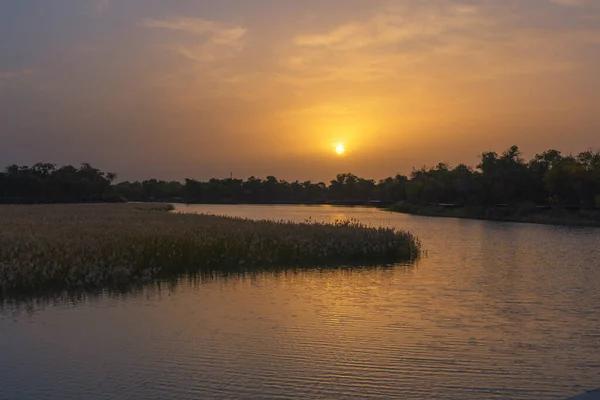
55, 247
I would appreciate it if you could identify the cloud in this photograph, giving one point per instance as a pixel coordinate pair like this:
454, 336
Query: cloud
435, 40
219, 33
101, 6
569, 2
218, 40
393, 43
6, 76
387, 50
394, 25
97, 8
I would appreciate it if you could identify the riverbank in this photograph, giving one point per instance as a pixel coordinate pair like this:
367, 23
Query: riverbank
97, 245
348, 203
549, 216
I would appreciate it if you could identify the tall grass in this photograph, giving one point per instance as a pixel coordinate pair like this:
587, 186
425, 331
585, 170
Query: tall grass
95, 245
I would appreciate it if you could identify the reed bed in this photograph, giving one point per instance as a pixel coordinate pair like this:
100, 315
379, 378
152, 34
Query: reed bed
96, 245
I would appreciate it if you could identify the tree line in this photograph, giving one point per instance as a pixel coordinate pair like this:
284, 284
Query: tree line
47, 183
549, 179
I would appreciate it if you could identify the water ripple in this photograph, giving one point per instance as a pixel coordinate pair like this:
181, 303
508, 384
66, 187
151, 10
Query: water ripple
495, 311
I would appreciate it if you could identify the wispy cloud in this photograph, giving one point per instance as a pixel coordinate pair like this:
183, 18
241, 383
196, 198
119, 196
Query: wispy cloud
393, 25
212, 40
97, 8
102, 6
569, 2
6, 76
397, 43
215, 33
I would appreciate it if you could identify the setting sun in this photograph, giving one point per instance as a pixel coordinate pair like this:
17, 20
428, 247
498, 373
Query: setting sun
340, 149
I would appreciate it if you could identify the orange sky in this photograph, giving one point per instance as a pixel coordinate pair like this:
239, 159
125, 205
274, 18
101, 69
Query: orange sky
175, 89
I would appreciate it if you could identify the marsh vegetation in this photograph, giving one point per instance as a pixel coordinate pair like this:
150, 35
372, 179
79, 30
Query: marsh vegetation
91, 245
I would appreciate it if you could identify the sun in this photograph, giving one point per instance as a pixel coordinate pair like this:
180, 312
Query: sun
340, 148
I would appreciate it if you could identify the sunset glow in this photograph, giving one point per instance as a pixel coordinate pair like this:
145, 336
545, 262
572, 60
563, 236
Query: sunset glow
170, 89
340, 149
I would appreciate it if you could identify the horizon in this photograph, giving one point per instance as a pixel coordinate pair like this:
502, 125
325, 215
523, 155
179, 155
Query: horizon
476, 167
168, 90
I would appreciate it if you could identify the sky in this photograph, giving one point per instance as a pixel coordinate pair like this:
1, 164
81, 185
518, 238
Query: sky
173, 89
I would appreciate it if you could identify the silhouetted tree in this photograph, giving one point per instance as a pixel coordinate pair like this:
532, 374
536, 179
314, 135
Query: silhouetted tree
45, 183
549, 178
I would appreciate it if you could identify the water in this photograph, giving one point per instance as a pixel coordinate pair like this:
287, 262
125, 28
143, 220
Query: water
494, 311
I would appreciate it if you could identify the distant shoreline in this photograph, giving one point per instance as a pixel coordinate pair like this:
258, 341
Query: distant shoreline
349, 203
533, 215
377, 204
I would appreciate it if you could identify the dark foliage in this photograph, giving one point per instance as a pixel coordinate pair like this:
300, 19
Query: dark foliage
45, 183
548, 179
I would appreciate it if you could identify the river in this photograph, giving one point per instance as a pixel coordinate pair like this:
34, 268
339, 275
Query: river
492, 311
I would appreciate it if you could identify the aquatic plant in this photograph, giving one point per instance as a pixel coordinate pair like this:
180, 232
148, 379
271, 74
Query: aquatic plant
94, 245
